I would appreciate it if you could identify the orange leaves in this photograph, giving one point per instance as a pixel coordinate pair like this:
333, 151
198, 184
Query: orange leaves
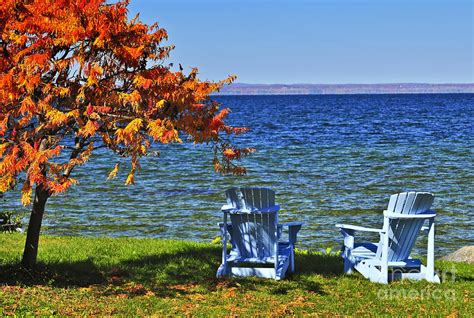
89, 110
133, 127
156, 129
142, 82
89, 129
8, 166
114, 171
32, 82
134, 52
6, 182
131, 176
120, 136
169, 136
239, 130
128, 134
130, 179
27, 105
231, 153
217, 122
102, 109
160, 104
96, 70
24, 157
164, 131
3, 125
7, 85
40, 60
19, 39
235, 153
77, 70
94, 73
9, 163
56, 117
228, 80
61, 65
61, 185
64, 91
26, 193
3, 148
134, 98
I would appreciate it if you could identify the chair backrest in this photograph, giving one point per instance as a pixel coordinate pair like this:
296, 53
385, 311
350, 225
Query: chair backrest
254, 232
402, 233
248, 199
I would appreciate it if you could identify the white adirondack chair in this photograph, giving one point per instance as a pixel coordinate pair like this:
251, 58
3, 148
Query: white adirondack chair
254, 233
403, 220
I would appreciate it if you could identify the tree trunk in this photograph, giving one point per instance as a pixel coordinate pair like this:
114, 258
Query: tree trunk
34, 227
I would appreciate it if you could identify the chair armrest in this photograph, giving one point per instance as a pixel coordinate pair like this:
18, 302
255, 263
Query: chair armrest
358, 228
348, 231
291, 224
232, 209
293, 229
227, 208
428, 215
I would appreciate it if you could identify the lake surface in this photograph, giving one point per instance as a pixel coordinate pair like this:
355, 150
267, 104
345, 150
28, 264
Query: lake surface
330, 159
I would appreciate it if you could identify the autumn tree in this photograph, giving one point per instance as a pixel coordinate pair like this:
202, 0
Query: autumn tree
77, 75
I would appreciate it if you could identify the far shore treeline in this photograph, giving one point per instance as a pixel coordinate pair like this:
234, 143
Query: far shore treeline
305, 89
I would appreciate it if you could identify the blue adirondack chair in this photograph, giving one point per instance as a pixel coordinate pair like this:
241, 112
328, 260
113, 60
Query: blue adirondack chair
403, 220
254, 233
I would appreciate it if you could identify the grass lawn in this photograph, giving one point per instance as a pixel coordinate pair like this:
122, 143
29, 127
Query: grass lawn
126, 276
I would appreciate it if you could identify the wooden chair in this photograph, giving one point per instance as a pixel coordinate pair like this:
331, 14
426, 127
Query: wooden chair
403, 220
254, 233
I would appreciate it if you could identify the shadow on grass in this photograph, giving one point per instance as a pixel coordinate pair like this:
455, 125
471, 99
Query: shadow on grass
186, 271
64, 274
317, 263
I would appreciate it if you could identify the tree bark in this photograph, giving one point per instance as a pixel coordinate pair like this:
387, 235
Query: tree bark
42, 195
32, 237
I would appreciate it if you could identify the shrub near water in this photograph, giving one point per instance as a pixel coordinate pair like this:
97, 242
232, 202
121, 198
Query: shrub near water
125, 276
10, 222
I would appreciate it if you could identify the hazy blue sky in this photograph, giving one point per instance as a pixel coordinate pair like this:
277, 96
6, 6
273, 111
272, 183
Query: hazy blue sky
319, 41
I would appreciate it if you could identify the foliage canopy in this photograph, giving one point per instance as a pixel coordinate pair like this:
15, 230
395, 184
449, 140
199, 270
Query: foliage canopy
76, 75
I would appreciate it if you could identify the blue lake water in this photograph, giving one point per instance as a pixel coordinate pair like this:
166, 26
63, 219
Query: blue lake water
330, 159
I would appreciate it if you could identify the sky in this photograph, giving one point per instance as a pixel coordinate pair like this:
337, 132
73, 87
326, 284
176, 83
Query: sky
319, 41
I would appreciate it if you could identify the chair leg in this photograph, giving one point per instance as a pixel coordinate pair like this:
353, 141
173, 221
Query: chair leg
348, 260
292, 260
221, 271
348, 266
347, 250
384, 240
430, 273
384, 275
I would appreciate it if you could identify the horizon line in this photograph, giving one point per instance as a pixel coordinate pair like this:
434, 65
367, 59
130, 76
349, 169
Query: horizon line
388, 83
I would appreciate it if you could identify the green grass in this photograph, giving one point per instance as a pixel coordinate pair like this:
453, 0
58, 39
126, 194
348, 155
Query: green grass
129, 277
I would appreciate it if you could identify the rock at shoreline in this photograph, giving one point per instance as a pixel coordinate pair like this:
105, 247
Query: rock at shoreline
464, 254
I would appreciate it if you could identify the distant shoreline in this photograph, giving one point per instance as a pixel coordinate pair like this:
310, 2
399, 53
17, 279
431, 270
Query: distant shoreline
327, 89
